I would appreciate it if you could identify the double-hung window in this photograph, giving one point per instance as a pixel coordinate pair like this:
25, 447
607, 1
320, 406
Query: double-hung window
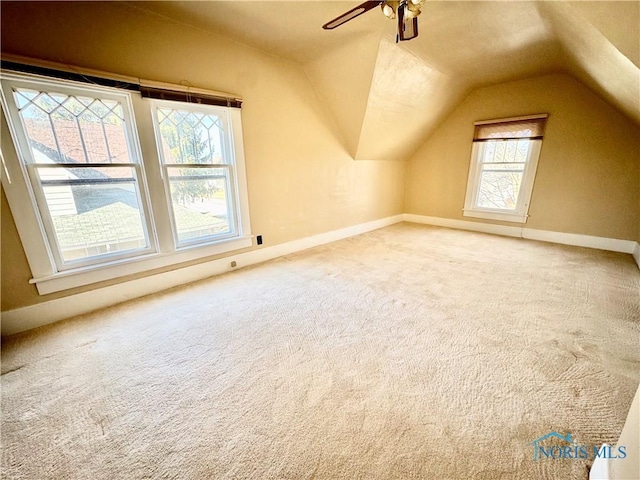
503, 165
81, 158
196, 151
91, 204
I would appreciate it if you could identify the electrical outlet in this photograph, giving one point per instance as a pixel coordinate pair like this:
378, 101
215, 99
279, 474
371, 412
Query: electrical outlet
259, 239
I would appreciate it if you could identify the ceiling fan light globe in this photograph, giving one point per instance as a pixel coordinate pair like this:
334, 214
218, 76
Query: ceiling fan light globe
389, 9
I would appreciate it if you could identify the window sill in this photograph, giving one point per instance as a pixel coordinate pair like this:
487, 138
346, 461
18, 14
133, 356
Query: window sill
94, 274
496, 215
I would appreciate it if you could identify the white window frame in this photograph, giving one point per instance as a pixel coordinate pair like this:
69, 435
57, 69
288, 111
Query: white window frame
520, 213
47, 274
36, 192
230, 165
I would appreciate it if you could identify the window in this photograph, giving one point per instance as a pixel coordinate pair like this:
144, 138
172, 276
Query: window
197, 159
90, 204
81, 160
503, 165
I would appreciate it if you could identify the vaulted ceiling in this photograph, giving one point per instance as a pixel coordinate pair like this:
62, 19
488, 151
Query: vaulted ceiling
386, 97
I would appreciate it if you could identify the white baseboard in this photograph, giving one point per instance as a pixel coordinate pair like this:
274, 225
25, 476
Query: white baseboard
26, 318
600, 243
464, 225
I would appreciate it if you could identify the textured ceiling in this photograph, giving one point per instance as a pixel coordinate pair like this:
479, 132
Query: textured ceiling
386, 98
456, 37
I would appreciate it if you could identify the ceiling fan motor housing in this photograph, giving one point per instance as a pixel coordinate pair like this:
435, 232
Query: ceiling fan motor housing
406, 11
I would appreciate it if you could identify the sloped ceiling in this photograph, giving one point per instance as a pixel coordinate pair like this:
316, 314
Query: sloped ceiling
386, 98
608, 66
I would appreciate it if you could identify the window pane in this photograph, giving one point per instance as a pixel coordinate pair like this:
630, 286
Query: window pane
191, 137
201, 202
506, 151
502, 167
95, 211
73, 129
499, 189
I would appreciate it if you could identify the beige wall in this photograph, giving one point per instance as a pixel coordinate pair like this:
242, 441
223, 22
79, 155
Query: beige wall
587, 178
301, 181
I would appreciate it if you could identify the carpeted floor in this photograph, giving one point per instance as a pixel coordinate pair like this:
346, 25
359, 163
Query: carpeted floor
408, 352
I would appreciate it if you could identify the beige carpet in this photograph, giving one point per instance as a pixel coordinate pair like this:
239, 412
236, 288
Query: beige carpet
408, 352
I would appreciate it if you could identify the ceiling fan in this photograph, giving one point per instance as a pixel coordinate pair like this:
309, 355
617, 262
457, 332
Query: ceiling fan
406, 11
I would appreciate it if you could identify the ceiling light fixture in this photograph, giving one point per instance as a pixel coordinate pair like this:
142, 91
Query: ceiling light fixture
389, 8
413, 8
405, 11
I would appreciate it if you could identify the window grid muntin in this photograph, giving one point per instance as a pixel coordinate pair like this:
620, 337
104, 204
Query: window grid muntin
86, 106
21, 194
27, 159
217, 122
228, 158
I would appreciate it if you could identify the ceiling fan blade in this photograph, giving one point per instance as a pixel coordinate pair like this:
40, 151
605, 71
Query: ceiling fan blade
351, 14
407, 26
